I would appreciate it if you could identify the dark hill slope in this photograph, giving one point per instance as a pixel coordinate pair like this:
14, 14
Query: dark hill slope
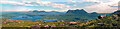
118, 11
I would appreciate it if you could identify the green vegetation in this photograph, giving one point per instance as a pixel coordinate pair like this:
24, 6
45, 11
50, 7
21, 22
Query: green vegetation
108, 21
21, 23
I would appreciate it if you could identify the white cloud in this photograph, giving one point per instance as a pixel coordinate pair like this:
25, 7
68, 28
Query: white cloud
76, 1
41, 3
11, 2
74, 5
92, 0
55, 5
98, 1
103, 7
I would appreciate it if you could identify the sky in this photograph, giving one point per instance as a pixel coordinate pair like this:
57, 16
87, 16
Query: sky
99, 6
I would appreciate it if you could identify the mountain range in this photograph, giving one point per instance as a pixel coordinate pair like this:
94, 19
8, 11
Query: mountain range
44, 11
75, 15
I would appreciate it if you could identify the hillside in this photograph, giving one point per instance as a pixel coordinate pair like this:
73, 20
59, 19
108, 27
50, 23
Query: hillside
117, 11
108, 21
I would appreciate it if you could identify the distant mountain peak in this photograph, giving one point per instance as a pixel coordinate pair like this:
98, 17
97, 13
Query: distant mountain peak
38, 11
82, 11
94, 13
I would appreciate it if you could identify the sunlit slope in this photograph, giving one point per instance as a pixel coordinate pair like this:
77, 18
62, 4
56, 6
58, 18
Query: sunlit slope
108, 21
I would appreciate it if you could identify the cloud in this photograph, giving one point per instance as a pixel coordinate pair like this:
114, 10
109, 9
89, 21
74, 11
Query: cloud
73, 1
98, 0
11, 2
103, 7
15, 3
55, 5
37, 3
